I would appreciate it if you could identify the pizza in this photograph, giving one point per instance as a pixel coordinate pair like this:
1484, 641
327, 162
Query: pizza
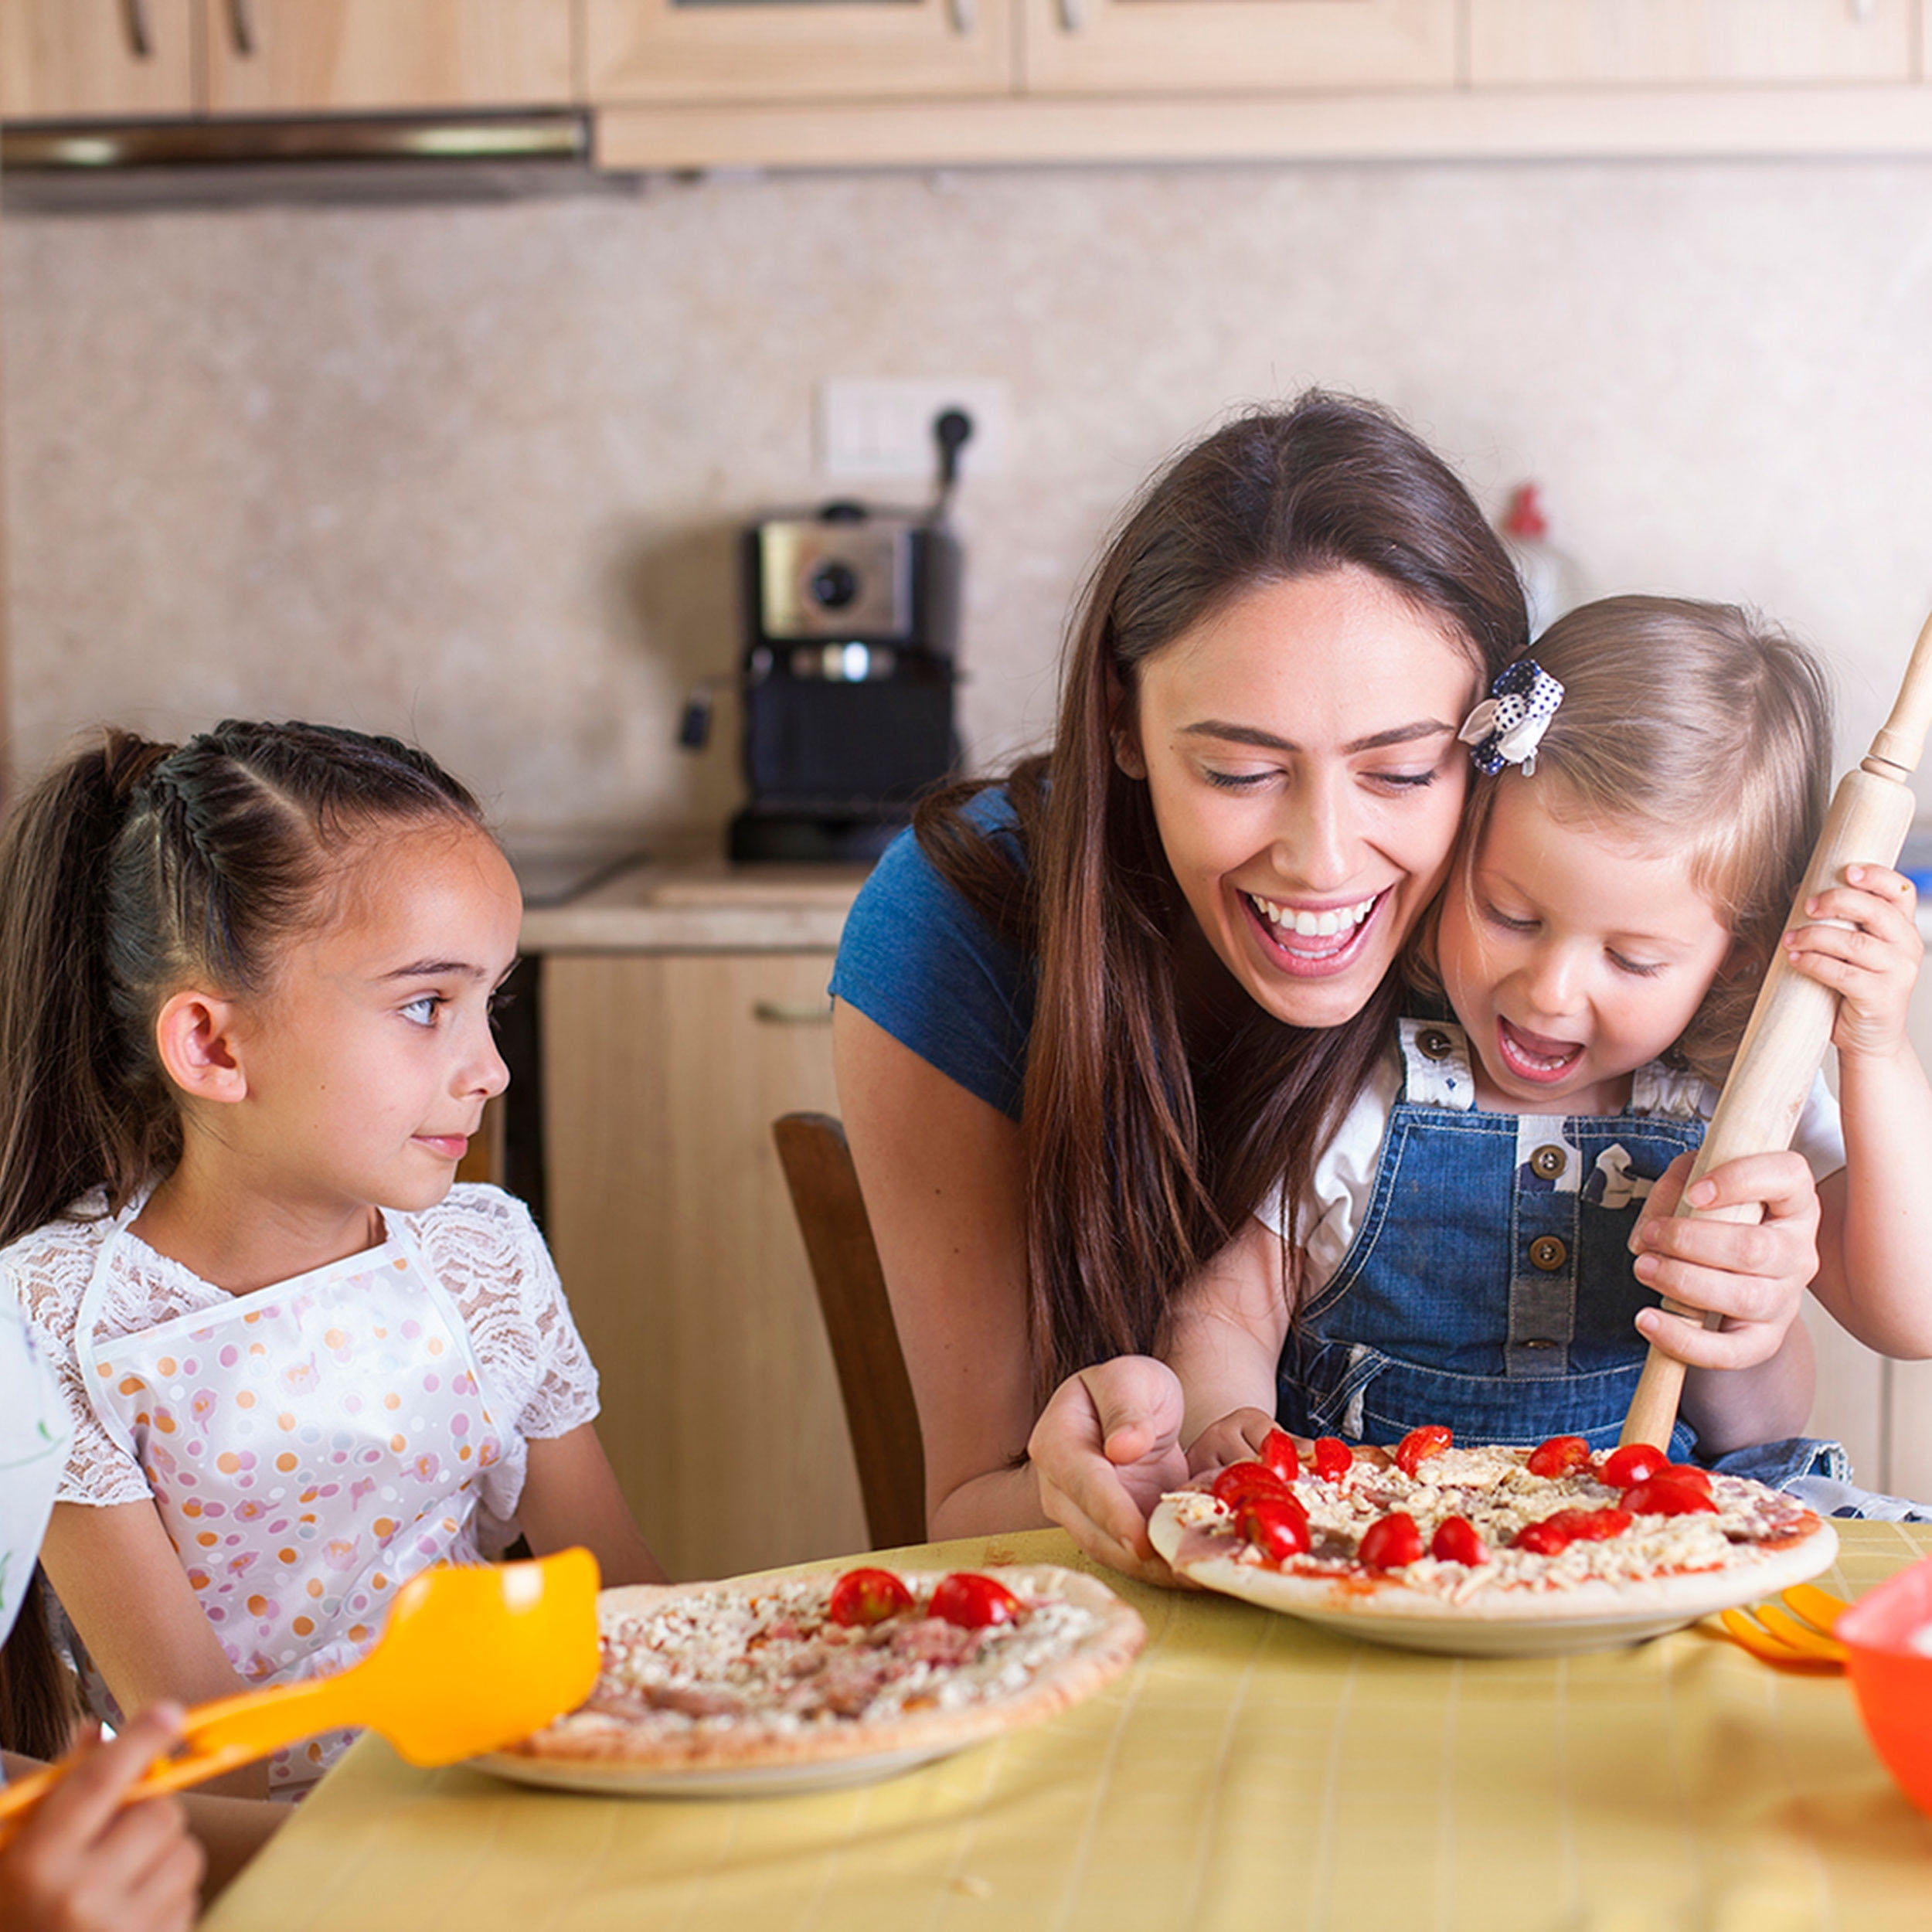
1430, 1535
795, 1669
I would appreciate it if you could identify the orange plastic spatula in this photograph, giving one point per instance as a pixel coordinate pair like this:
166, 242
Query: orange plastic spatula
472, 1658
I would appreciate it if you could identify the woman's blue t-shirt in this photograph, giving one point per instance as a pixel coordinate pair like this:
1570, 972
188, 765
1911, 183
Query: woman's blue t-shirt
916, 960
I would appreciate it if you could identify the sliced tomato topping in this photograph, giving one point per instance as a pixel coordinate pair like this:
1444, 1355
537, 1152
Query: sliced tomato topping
1688, 1472
1548, 1538
1391, 1541
1419, 1445
867, 1596
1560, 1456
1276, 1526
1277, 1453
1333, 1459
1456, 1542
1635, 1462
1665, 1495
1241, 1481
973, 1601
1590, 1526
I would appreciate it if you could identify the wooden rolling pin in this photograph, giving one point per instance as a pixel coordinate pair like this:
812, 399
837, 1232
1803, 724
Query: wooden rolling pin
1791, 1023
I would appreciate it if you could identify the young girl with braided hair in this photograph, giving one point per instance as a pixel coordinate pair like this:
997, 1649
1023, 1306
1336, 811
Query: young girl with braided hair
245, 993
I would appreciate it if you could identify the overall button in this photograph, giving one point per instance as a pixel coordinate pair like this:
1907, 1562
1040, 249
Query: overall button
1548, 1253
1539, 1341
1434, 1044
1547, 1162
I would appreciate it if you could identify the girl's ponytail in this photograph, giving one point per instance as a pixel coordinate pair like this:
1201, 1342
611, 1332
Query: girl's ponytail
74, 1114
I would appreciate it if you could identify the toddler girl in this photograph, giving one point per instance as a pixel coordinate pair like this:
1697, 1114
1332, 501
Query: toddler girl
245, 989
1650, 788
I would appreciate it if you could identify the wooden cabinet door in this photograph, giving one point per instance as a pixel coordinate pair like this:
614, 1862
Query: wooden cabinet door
668, 1216
81, 60
1110, 46
1662, 42
829, 50
348, 56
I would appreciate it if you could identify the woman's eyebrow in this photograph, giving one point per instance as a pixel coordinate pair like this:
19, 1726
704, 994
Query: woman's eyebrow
1402, 734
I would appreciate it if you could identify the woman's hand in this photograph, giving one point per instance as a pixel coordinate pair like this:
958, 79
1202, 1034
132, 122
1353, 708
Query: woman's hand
1106, 1447
82, 1862
1870, 957
1752, 1274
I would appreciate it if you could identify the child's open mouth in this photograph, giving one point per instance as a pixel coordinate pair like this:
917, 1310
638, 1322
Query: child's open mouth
1533, 1056
1307, 941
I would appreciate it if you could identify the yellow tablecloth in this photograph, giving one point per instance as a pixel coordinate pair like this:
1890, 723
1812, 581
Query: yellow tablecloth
1249, 1772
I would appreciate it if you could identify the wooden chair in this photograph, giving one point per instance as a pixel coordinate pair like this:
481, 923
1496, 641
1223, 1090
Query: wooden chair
879, 1414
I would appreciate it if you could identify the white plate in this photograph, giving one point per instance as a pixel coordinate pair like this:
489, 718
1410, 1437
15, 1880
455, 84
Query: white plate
737, 1780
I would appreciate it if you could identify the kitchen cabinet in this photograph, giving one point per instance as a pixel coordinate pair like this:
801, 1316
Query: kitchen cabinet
680, 1015
371, 56
119, 60
74, 59
1612, 43
829, 50
1112, 46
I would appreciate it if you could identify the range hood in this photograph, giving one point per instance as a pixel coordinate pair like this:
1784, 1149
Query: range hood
336, 157
56, 146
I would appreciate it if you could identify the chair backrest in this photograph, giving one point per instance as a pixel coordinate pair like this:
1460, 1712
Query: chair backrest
880, 1416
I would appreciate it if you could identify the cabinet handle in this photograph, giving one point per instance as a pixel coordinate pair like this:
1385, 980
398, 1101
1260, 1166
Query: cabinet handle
1072, 16
140, 43
241, 26
965, 16
792, 1012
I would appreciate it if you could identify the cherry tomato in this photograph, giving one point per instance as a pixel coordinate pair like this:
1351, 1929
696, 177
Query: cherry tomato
1392, 1541
1418, 1446
1546, 1538
1456, 1542
1664, 1495
1698, 1479
973, 1601
1277, 1453
1276, 1526
1333, 1459
1635, 1462
1560, 1456
1240, 1481
1590, 1526
867, 1596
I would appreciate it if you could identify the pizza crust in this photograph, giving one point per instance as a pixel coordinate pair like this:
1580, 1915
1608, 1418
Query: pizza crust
1685, 1596
1110, 1636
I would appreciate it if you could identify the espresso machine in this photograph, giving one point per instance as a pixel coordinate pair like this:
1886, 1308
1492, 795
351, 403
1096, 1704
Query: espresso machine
851, 619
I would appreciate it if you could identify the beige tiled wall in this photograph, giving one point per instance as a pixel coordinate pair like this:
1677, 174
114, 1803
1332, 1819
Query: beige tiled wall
474, 471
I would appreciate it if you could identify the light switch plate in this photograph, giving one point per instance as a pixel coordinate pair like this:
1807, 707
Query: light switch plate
882, 427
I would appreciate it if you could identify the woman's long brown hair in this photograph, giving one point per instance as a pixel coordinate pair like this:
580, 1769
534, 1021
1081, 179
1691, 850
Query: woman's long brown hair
129, 870
1151, 1131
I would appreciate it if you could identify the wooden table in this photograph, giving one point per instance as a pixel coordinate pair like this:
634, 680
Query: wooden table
1248, 1772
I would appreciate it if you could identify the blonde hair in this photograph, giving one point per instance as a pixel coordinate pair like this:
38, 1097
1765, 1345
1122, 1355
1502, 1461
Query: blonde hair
1703, 730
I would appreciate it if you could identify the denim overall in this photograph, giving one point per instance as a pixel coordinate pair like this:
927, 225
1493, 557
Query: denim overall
1489, 1286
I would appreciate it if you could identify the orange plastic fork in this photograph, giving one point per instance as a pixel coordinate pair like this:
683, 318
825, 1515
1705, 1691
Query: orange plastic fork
472, 1658
1803, 1642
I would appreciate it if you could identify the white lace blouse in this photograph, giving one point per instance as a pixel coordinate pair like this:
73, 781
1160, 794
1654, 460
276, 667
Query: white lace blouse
479, 1242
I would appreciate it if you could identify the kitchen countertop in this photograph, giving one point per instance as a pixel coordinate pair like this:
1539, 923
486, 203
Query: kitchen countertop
701, 906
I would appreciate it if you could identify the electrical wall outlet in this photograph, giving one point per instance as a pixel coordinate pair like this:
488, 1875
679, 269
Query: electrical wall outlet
882, 427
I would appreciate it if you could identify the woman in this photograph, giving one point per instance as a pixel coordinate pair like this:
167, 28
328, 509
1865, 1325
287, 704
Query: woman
1093, 1015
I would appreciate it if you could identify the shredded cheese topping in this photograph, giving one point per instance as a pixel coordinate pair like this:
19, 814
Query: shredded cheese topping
1494, 1491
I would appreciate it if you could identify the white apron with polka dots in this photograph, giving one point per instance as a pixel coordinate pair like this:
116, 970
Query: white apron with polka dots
310, 1446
